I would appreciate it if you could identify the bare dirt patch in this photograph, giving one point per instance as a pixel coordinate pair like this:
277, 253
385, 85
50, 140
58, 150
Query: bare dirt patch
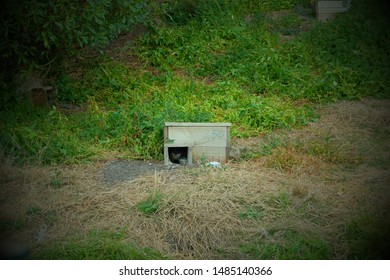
312, 180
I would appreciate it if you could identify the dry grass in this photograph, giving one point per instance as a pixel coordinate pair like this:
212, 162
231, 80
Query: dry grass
200, 210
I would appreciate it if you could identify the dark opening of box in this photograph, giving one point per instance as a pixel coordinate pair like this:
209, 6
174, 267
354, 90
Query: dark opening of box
178, 155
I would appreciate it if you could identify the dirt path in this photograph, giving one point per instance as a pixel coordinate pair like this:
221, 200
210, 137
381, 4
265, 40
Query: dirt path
315, 181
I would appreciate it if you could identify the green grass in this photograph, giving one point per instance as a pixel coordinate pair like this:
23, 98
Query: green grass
367, 237
224, 62
254, 212
18, 224
150, 205
287, 245
97, 245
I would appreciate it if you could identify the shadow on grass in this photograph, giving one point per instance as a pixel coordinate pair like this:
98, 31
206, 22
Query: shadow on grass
288, 245
368, 238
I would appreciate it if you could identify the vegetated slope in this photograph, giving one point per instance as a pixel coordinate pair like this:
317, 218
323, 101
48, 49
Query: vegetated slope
240, 63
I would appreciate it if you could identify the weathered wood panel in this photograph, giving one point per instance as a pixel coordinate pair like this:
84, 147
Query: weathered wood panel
210, 153
208, 141
198, 136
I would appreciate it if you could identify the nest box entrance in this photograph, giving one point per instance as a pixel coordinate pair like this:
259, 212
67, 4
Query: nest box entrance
187, 143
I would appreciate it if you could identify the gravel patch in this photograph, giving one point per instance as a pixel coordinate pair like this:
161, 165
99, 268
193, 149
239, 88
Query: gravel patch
121, 171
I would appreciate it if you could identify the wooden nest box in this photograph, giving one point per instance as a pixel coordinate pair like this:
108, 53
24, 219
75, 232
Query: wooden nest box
187, 143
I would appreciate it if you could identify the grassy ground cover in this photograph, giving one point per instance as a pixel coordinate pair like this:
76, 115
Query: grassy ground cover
239, 63
309, 179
